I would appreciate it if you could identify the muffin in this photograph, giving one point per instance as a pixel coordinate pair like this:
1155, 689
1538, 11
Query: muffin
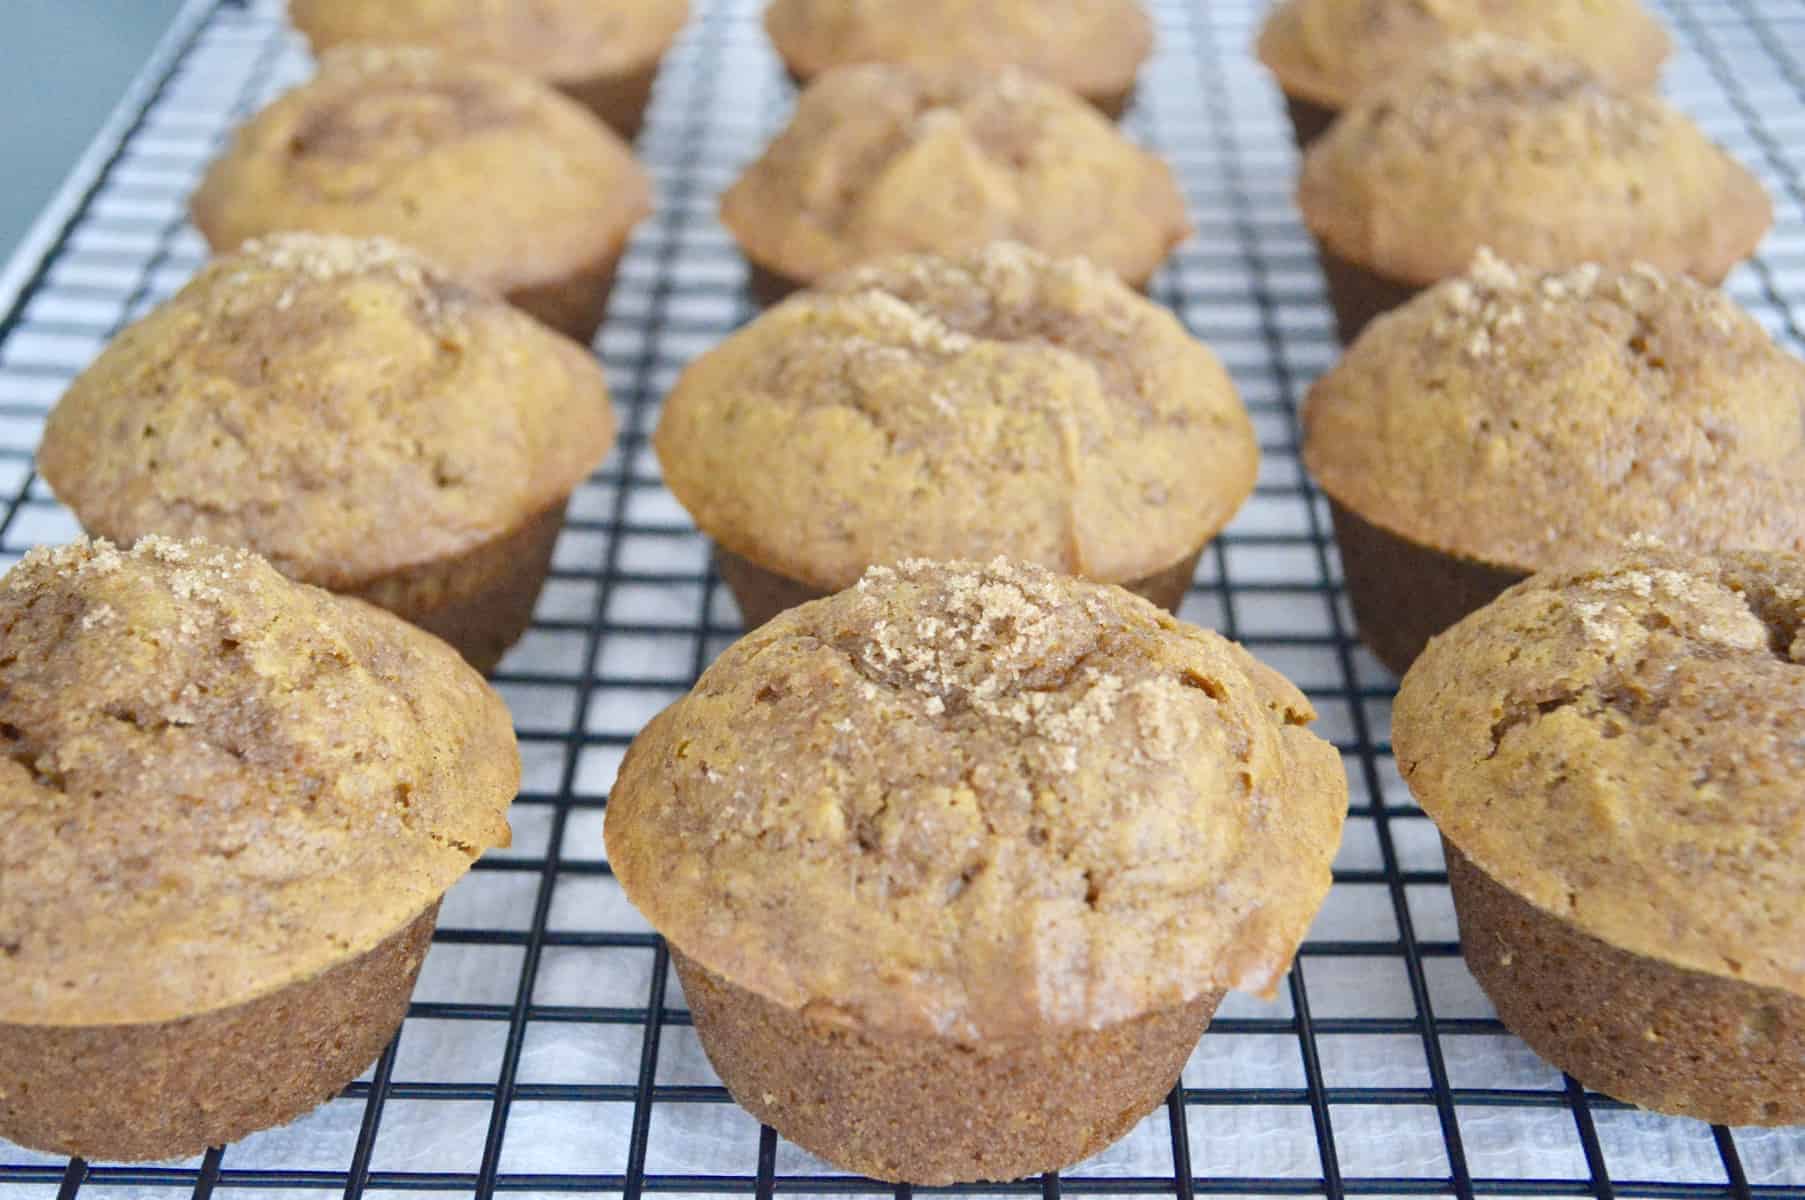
1498, 143
881, 160
993, 402
1092, 47
1325, 52
234, 803
956, 865
346, 409
489, 172
603, 54
1513, 421
1614, 757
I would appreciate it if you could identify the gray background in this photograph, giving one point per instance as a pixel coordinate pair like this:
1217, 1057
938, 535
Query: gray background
63, 64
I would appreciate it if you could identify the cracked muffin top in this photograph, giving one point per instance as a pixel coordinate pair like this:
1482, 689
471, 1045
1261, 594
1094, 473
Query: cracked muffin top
1500, 143
216, 782
1531, 420
981, 802
996, 402
486, 170
882, 160
1092, 47
1622, 746
564, 41
340, 406
1328, 51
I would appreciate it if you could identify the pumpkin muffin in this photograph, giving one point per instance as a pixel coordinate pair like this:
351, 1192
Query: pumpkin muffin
489, 172
1513, 421
1092, 47
351, 412
232, 804
1615, 756
604, 54
956, 865
881, 160
995, 402
1499, 143
1326, 52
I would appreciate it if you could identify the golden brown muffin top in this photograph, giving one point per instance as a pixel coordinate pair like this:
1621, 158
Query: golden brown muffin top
1533, 421
565, 41
486, 170
1499, 143
1092, 47
340, 406
1623, 747
996, 402
981, 802
217, 782
882, 160
1328, 51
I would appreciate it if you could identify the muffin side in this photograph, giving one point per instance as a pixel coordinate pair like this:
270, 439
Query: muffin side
1499, 143
969, 811
994, 402
347, 409
1636, 402
602, 53
1613, 755
233, 802
1091, 47
881, 160
406, 143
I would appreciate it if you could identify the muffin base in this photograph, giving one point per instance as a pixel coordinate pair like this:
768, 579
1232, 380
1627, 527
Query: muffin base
1358, 294
1110, 104
762, 594
171, 1089
1404, 593
1663, 1037
572, 304
620, 100
768, 288
929, 1110
481, 601
1309, 120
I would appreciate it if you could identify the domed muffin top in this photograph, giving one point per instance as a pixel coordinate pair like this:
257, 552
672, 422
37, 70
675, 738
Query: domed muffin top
217, 782
1622, 745
995, 402
981, 801
1531, 420
341, 406
1501, 143
882, 160
565, 41
1328, 51
1092, 47
486, 170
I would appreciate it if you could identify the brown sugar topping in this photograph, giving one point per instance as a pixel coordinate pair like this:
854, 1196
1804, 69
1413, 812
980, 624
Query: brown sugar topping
981, 801
1622, 746
1636, 402
883, 160
216, 782
300, 396
998, 401
1496, 142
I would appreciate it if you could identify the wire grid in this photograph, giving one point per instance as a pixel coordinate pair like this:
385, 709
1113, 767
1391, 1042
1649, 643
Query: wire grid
548, 1049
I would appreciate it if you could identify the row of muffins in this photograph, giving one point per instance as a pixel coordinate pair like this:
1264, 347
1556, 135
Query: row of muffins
972, 641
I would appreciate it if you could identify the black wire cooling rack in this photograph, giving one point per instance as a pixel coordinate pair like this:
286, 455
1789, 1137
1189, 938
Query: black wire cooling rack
548, 1049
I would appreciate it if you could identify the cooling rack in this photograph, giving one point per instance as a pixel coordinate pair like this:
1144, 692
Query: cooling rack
548, 1049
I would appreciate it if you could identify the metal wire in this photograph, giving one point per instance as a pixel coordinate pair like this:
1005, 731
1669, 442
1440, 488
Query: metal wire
1380, 1071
